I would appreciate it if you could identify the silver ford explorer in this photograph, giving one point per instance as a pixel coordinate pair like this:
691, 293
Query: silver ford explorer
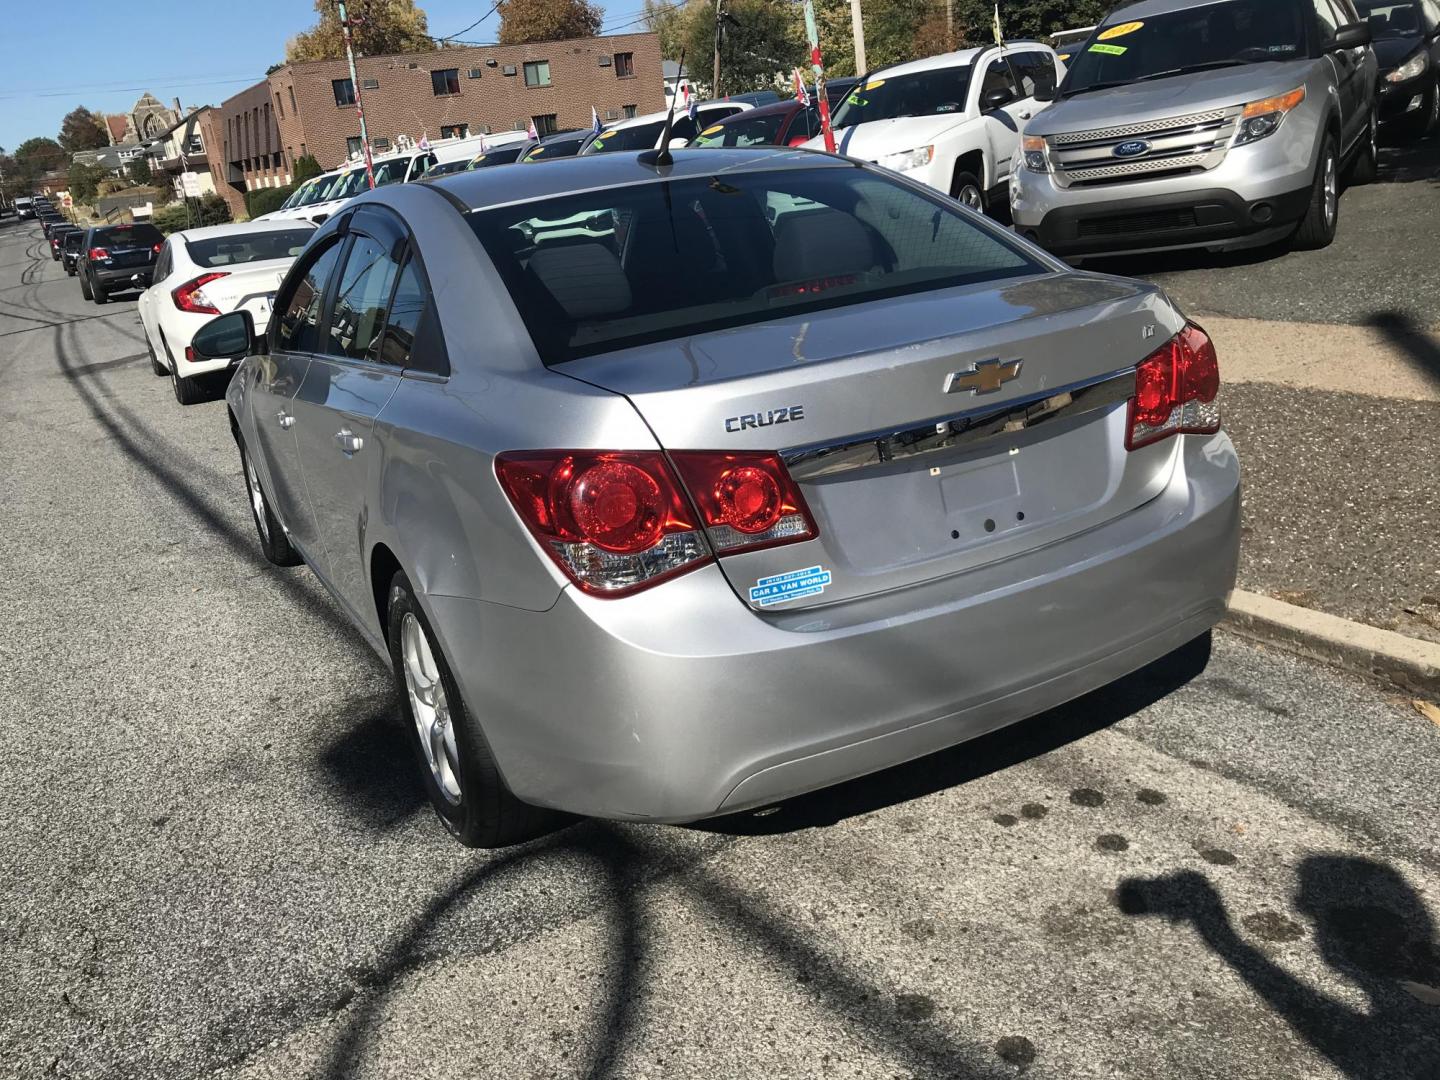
1215, 124
673, 490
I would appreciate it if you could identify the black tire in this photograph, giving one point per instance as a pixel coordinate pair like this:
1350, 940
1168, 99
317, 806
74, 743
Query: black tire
156, 367
187, 391
967, 190
481, 812
1317, 228
70, 270
273, 542
99, 293
1366, 164
85, 286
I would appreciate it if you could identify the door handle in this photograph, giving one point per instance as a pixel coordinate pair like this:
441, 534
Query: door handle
287, 420
349, 442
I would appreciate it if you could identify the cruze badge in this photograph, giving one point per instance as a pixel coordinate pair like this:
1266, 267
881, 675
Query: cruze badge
1133, 148
788, 415
986, 377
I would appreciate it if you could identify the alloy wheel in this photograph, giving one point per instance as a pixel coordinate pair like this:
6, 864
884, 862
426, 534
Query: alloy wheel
430, 708
257, 499
969, 195
1332, 192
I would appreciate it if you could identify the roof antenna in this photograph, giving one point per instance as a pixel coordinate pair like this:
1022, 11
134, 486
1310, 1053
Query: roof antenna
662, 156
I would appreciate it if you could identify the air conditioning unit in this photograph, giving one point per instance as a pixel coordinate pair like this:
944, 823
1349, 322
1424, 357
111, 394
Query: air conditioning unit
475, 73
484, 129
521, 125
604, 61
612, 114
508, 69
380, 144
412, 66
369, 84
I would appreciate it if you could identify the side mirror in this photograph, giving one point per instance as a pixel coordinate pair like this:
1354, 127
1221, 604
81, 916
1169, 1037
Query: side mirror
1352, 36
996, 98
1044, 93
228, 337
679, 144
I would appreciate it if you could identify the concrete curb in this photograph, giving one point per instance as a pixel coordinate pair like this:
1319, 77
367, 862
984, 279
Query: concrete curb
1409, 663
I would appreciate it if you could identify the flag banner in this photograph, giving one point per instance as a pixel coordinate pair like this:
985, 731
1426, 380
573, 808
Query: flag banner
802, 95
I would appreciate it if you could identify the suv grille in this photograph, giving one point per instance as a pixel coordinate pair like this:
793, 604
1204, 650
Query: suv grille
1194, 142
1124, 224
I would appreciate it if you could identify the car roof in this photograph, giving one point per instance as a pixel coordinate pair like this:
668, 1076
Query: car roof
566, 176
1146, 9
650, 118
243, 228
961, 58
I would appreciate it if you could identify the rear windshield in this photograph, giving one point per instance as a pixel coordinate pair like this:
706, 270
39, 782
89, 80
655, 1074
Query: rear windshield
639, 137
605, 270
73, 240
128, 236
1225, 34
248, 247
557, 148
924, 93
506, 155
747, 129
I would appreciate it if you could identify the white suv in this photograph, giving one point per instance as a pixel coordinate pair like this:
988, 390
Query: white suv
952, 121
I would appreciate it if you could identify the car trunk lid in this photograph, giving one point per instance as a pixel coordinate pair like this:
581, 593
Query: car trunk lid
921, 451
248, 286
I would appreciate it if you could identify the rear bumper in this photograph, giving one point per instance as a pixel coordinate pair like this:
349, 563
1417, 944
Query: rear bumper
1210, 218
682, 703
122, 275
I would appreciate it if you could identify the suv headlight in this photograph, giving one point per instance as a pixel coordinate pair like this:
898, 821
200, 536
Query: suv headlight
907, 160
1033, 147
1411, 68
1263, 118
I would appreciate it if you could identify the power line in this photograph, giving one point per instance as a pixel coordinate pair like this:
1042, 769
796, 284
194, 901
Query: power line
128, 89
494, 7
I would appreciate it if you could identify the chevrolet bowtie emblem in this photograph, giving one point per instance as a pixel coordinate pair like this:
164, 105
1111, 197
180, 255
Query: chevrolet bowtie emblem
986, 377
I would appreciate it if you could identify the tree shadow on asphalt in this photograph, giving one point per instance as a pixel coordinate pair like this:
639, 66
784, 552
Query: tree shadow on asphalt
980, 757
1419, 347
1370, 927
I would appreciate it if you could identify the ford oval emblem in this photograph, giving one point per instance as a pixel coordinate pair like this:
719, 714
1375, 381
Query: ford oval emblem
1133, 148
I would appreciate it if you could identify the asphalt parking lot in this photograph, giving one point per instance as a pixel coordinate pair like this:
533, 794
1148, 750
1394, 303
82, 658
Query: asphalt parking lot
219, 862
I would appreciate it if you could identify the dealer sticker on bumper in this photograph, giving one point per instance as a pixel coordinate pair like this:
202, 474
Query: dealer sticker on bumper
792, 586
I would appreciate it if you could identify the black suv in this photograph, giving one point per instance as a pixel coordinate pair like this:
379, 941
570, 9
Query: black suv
70, 249
113, 254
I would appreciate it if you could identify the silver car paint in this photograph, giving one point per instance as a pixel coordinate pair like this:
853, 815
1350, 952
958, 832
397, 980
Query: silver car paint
681, 701
1280, 164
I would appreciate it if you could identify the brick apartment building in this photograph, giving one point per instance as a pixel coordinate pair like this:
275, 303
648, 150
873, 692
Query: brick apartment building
255, 136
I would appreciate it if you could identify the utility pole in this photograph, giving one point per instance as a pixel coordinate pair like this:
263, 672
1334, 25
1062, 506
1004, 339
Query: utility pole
817, 64
359, 98
715, 74
857, 29
949, 24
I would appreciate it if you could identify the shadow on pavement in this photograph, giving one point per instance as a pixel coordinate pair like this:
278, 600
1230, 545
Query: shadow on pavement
1419, 346
971, 760
1370, 927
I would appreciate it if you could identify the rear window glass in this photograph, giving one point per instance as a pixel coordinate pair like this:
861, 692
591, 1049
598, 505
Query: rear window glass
73, 240
639, 137
247, 248
745, 130
128, 236
650, 262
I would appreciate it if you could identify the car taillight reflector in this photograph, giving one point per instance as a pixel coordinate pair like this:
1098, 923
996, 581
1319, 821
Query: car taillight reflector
1176, 388
98, 253
746, 500
189, 297
614, 521
156, 248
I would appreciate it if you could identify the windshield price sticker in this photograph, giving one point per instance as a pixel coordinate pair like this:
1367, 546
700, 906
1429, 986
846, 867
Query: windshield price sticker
1109, 50
779, 588
1119, 31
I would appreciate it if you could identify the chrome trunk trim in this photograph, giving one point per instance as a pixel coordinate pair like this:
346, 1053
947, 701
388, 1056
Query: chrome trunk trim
962, 431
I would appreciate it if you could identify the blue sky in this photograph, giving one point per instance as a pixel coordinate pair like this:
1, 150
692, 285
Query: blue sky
199, 52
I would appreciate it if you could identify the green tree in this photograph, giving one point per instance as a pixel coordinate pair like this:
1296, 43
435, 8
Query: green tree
523, 21
35, 157
83, 130
377, 27
758, 40
84, 182
305, 167
140, 171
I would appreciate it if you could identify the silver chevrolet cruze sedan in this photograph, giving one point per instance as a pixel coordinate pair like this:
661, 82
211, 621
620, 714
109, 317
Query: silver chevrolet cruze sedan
675, 490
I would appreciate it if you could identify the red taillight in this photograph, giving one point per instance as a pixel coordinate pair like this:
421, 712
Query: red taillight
98, 253
188, 297
1175, 390
615, 522
746, 500
156, 248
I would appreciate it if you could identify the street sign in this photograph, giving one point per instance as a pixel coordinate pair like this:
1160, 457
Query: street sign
190, 184
66, 201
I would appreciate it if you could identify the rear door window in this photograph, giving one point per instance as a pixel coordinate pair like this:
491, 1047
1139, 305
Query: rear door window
362, 298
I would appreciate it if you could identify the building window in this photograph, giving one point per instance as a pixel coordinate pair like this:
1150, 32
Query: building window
537, 73
629, 111
293, 107
279, 107
277, 161
445, 82
344, 91
624, 65
545, 124
353, 146
454, 131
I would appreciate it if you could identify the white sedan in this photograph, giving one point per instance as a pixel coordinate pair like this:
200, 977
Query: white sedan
201, 273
